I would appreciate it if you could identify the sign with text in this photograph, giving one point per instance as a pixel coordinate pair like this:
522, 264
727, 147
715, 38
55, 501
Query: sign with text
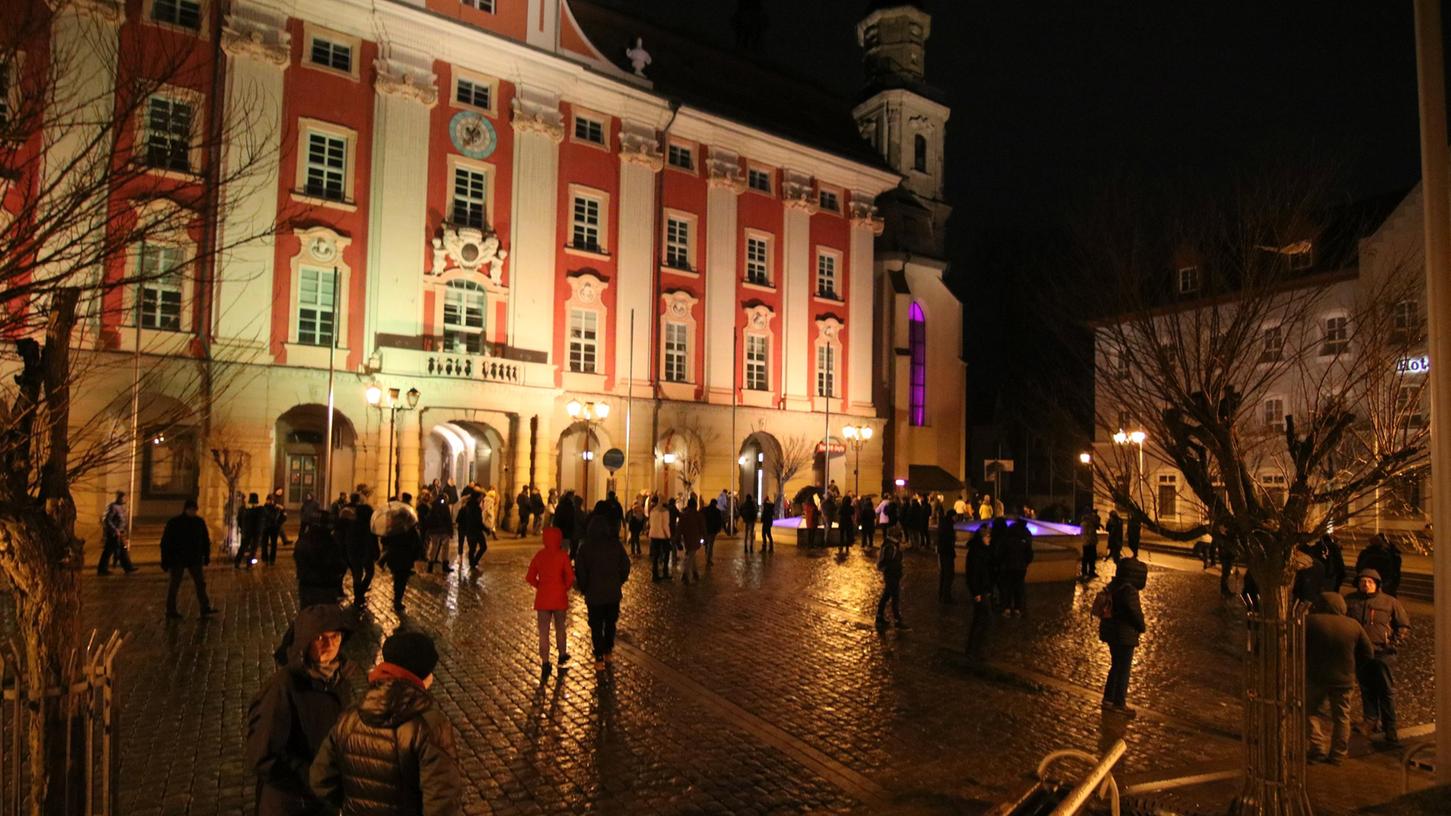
1413, 365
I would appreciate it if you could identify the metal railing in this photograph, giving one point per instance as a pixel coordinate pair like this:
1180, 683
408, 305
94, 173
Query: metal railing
1052, 796
87, 708
1410, 759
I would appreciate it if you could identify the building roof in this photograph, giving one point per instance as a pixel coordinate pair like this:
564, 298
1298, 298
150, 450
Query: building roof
878, 5
733, 84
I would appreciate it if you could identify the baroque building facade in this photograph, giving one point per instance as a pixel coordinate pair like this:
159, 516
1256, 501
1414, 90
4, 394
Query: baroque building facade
489, 209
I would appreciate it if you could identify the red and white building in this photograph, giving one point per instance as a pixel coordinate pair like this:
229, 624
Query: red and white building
481, 201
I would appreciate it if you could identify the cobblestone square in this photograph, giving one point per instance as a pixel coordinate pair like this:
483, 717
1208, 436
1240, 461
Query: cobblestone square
762, 689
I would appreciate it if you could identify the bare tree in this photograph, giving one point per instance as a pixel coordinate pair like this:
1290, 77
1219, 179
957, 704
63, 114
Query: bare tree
698, 440
1262, 365
796, 453
110, 198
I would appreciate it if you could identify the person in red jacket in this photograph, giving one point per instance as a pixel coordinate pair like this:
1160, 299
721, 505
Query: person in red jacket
551, 575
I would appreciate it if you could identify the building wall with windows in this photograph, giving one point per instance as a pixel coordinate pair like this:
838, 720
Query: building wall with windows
481, 207
1394, 246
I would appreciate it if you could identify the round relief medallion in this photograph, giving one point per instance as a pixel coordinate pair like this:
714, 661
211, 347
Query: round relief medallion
472, 134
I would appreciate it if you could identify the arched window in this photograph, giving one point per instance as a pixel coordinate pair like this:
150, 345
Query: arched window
917, 345
919, 153
463, 317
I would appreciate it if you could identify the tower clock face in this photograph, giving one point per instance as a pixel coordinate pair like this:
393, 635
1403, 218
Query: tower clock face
473, 135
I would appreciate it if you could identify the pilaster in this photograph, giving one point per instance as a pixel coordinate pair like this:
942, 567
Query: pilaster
796, 348
725, 183
865, 226
258, 49
405, 91
640, 160
538, 129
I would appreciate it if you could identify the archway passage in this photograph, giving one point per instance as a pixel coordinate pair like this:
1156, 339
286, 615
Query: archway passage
758, 463
301, 454
580, 465
465, 451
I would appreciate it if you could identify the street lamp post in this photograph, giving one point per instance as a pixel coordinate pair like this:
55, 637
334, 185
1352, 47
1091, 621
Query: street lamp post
1135, 438
1086, 459
591, 414
857, 436
374, 395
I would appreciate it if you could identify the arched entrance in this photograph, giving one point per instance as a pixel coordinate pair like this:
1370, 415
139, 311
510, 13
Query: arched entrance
580, 468
757, 465
681, 455
466, 451
301, 455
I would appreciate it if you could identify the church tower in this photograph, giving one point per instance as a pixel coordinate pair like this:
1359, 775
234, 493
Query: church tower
918, 320
903, 117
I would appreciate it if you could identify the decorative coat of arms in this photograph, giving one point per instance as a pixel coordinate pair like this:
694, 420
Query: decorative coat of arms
470, 249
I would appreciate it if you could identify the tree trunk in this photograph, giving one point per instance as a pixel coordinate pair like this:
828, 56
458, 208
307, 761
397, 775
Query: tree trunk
1274, 703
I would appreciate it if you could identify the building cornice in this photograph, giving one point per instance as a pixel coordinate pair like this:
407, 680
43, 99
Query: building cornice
536, 114
255, 32
397, 77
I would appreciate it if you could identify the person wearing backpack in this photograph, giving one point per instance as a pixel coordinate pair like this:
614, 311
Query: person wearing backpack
889, 562
1120, 623
292, 715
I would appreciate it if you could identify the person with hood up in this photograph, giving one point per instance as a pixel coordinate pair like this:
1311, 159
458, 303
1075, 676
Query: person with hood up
186, 547
292, 715
402, 545
689, 536
1334, 646
1119, 627
1387, 625
551, 575
978, 568
601, 570
393, 752
362, 547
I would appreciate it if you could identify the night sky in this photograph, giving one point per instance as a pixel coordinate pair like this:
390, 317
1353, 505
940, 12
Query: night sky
1049, 98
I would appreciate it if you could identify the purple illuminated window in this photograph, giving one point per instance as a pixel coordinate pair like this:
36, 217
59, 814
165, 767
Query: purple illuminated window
917, 344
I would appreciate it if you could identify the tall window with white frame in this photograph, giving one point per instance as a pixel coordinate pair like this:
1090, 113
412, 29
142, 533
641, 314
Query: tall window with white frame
1168, 495
463, 317
168, 133
758, 261
758, 351
470, 197
1272, 347
826, 275
1336, 336
182, 13
677, 351
586, 227
826, 370
1275, 414
1405, 322
327, 161
677, 243
316, 307
158, 305
583, 341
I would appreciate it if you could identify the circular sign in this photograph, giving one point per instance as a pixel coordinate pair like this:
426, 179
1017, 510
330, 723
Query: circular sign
472, 134
614, 459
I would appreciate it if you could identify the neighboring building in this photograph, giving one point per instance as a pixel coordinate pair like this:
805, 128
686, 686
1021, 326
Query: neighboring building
494, 207
1347, 264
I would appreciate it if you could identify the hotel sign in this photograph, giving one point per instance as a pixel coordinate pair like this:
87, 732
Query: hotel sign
1413, 365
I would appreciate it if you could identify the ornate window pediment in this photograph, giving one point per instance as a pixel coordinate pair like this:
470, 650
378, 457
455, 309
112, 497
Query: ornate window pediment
471, 250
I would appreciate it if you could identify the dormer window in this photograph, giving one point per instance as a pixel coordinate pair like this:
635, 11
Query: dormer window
1188, 280
919, 153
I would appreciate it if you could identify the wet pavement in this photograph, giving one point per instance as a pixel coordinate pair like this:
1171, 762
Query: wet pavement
763, 689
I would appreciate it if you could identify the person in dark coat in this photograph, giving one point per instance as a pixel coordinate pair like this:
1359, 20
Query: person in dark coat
714, 523
564, 520
1115, 530
362, 548
402, 546
1014, 545
252, 522
292, 715
1334, 559
747, 511
438, 527
525, 508
846, 520
186, 547
116, 530
393, 754
309, 514
866, 517
1088, 564
1387, 625
322, 562
1383, 557
889, 562
275, 516
768, 517
1335, 646
1136, 529
537, 508
1121, 629
600, 570
1310, 578
979, 568
946, 554
471, 527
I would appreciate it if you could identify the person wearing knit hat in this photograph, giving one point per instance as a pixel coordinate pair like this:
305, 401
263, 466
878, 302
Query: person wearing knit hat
551, 574
394, 751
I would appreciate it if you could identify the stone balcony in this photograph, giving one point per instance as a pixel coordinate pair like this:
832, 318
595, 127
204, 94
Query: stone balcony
424, 356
